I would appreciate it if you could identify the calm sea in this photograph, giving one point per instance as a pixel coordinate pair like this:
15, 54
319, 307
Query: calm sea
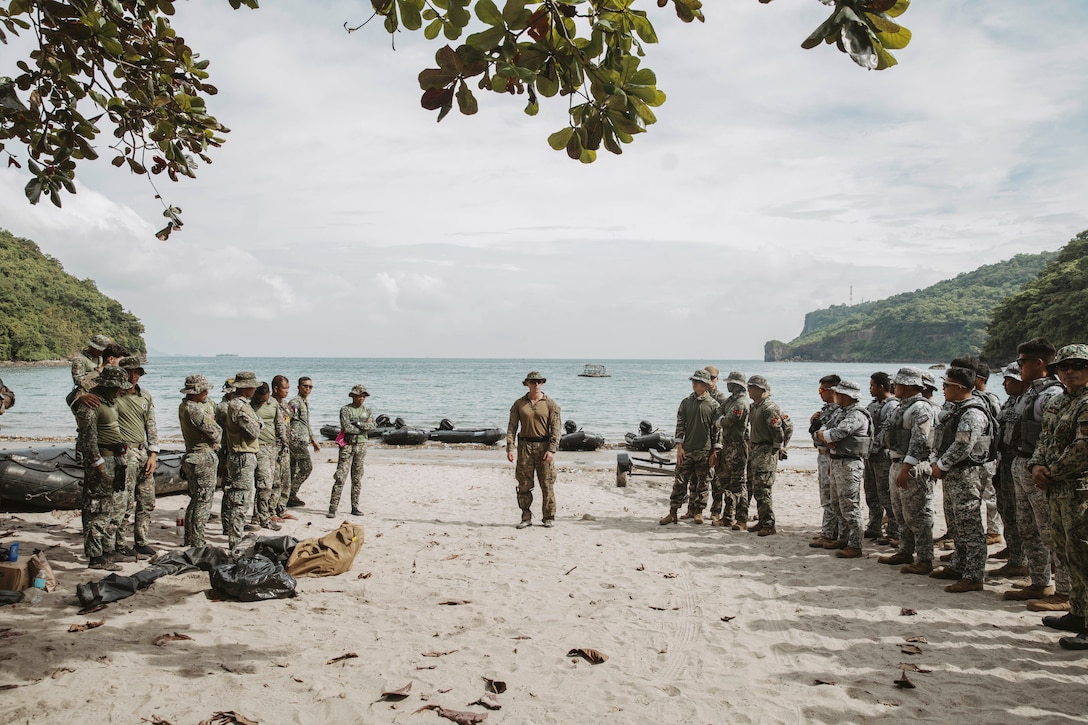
473, 393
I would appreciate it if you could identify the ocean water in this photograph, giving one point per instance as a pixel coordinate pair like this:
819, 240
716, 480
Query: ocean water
473, 393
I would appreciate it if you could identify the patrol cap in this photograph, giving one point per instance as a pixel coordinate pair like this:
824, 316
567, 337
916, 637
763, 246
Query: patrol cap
736, 378
961, 376
99, 342
113, 377
909, 376
758, 381
132, 363
701, 376
1012, 370
534, 376
245, 380
929, 381
195, 385
359, 389
1078, 351
848, 387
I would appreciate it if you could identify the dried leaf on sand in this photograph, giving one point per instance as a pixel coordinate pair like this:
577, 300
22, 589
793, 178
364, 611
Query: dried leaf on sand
438, 654
488, 700
454, 602
907, 612
595, 657
397, 695
162, 639
496, 686
904, 683
85, 627
345, 656
910, 649
229, 717
910, 666
462, 717
823, 682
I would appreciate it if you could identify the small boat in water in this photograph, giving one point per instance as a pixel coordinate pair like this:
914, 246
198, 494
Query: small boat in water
579, 440
594, 370
447, 433
649, 439
51, 478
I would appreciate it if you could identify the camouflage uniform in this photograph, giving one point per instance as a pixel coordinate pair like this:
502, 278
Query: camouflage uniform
957, 455
543, 417
355, 424
847, 472
243, 427
281, 472
771, 431
717, 485
731, 472
99, 443
1063, 448
271, 441
1032, 505
1004, 485
136, 411
302, 438
878, 494
987, 473
697, 430
202, 437
830, 526
907, 439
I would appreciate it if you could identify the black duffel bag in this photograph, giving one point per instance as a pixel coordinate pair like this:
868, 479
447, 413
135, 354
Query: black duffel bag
253, 579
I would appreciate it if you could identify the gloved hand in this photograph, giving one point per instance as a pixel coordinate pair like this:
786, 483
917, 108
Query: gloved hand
782, 454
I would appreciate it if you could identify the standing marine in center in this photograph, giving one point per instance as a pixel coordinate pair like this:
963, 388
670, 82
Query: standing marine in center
698, 442
538, 418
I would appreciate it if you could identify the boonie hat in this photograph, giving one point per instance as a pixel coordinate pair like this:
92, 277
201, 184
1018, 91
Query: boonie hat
359, 389
701, 376
737, 378
228, 385
245, 379
195, 385
961, 376
758, 381
929, 381
132, 363
99, 342
909, 376
1012, 370
1077, 351
533, 376
848, 387
113, 377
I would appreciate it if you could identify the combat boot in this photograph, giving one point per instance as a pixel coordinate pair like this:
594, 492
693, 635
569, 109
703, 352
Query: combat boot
100, 562
946, 572
739, 526
1009, 570
1066, 623
896, 559
1053, 603
819, 542
849, 552
835, 545
964, 585
689, 514
918, 567
767, 531
670, 519
1078, 642
697, 519
1030, 592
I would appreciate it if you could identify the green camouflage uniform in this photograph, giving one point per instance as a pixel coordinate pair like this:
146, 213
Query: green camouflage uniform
281, 471
829, 416
202, 437
530, 458
698, 431
957, 452
907, 439
731, 473
271, 441
243, 427
136, 413
771, 431
302, 437
355, 424
99, 443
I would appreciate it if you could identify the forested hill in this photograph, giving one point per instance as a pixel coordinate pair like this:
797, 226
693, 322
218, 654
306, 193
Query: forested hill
928, 325
49, 314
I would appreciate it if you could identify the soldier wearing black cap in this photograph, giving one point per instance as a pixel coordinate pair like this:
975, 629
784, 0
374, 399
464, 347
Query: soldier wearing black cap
829, 525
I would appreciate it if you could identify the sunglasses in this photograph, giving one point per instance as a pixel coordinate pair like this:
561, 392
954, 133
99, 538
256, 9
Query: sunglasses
953, 385
1022, 360
1073, 365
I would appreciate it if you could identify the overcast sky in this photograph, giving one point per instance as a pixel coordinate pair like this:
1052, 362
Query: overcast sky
341, 220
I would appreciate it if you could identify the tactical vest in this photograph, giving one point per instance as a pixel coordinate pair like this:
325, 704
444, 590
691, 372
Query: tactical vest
195, 440
1027, 427
239, 440
984, 449
855, 446
897, 437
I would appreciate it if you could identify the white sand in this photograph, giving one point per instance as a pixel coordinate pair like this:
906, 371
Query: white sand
439, 527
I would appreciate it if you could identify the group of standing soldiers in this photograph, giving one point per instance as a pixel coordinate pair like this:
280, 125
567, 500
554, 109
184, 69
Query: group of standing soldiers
1031, 450
256, 440
730, 444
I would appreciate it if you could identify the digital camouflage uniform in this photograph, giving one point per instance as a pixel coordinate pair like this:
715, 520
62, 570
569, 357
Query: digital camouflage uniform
202, 437
1032, 504
84, 371
829, 415
1004, 485
697, 430
731, 473
770, 434
990, 510
302, 438
958, 456
907, 437
243, 427
1063, 448
270, 443
281, 471
136, 414
878, 494
544, 425
848, 472
355, 424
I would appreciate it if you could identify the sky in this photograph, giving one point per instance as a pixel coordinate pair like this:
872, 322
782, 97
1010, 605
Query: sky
341, 220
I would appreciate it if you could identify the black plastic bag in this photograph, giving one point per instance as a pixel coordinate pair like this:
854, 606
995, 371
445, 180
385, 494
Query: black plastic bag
276, 548
7, 596
253, 579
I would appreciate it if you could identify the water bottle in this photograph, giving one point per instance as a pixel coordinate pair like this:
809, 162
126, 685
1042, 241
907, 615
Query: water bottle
13, 551
179, 523
39, 580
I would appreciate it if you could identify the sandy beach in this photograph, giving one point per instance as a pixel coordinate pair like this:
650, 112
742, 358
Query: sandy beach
699, 624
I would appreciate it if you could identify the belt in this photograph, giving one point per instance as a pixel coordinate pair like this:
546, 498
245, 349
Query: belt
523, 439
767, 443
897, 457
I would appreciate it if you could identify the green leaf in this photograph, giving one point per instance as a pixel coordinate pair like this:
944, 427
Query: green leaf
465, 100
560, 138
546, 86
532, 108
644, 28
409, 14
431, 31
588, 156
436, 78
512, 10
487, 40
488, 13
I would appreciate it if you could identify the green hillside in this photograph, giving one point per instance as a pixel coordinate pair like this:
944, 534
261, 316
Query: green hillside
931, 324
49, 314
1053, 305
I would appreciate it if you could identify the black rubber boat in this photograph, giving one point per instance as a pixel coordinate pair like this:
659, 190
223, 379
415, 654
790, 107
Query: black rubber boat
579, 440
649, 439
405, 437
447, 433
50, 478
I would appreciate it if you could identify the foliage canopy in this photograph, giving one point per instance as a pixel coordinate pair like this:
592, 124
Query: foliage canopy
121, 64
48, 314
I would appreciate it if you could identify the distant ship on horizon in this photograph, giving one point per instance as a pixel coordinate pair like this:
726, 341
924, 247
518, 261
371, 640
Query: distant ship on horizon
226, 354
